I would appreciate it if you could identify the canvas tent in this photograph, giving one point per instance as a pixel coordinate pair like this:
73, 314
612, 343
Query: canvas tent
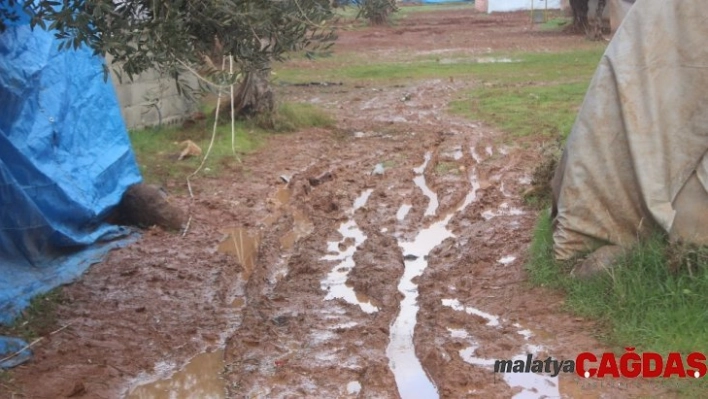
635, 161
490, 6
65, 162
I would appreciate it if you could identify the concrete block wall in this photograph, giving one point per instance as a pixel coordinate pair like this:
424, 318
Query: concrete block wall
135, 96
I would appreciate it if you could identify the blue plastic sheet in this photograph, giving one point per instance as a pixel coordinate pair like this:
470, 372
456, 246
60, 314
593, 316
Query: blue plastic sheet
65, 162
13, 351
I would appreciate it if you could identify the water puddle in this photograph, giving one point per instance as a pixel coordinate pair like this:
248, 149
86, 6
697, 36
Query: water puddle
480, 60
493, 60
353, 388
531, 385
243, 246
525, 180
504, 210
432, 196
507, 260
302, 227
344, 326
361, 200
455, 154
492, 321
343, 251
426, 158
419, 181
238, 303
475, 156
411, 378
199, 379
282, 196
458, 333
403, 212
505, 193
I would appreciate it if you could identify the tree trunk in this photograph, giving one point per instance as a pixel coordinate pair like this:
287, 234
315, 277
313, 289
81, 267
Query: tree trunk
597, 27
253, 97
580, 15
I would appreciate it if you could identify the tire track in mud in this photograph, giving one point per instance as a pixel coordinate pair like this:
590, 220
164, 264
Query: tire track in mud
346, 342
386, 283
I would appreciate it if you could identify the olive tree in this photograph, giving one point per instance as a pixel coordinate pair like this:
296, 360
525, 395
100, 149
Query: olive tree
377, 12
176, 36
580, 9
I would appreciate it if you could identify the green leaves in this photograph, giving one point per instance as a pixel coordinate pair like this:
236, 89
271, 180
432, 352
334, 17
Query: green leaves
169, 34
376, 11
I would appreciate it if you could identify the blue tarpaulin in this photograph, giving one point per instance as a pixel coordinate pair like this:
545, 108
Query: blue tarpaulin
65, 162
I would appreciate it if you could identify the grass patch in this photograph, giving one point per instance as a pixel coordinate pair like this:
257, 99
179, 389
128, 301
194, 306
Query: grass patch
349, 12
645, 303
527, 67
556, 24
547, 106
38, 319
157, 149
528, 110
443, 168
294, 116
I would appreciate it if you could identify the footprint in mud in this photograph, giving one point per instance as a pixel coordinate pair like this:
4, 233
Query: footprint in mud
531, 385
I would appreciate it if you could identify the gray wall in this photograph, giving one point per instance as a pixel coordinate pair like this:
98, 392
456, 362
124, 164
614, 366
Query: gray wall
135, 97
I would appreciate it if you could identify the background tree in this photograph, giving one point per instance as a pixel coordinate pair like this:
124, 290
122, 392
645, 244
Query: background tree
580, 14
174, 36
377, 12
580, 9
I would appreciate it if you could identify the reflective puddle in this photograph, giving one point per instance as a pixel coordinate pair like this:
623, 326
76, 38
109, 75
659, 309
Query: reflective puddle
343, 251
531, 385
475, 156
353, 388
243, 246
199, 379
419, 181
492, 321
503, 210
403, 212
411, 379
506, 260
302, 227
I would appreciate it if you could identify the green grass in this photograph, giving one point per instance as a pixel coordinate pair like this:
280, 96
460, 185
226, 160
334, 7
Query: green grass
38, 319
644, 303
540, 95
443, 168
157, 149
294, 116
528, 110
528, 67
350, 12
556, 24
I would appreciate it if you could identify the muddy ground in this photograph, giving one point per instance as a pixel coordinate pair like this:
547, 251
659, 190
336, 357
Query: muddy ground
391, 262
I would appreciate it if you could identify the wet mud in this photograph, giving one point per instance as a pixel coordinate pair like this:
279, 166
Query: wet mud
306, 275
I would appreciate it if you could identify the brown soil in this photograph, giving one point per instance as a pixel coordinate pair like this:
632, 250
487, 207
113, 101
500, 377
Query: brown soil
150, 307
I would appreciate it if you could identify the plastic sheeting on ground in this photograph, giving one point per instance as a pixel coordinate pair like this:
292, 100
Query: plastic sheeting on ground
640, 136
65, 162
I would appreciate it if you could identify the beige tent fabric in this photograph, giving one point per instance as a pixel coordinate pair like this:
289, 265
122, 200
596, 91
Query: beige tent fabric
618, 10
641, 132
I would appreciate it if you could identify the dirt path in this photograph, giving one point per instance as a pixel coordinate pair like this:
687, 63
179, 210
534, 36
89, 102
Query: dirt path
392, 261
